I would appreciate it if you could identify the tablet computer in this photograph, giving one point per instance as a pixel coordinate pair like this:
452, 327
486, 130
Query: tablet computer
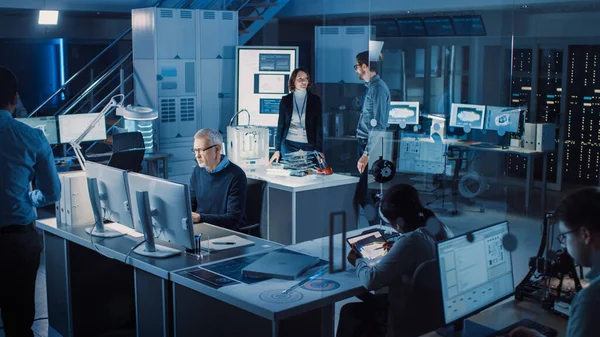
370, 245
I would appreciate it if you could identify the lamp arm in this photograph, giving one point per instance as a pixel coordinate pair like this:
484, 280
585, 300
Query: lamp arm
75, 144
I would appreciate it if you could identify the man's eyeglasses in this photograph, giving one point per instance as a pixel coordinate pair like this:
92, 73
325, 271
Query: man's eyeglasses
194, 150
562, 237
356, 66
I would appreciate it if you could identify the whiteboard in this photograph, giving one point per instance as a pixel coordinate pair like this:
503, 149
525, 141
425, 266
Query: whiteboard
262, 75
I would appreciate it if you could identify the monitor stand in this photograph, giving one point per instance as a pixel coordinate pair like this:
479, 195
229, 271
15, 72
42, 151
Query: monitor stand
150, 249
455, 329
98, 229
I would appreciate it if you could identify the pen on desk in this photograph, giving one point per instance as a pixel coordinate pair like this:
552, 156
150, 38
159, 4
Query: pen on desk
223, 243
306, 280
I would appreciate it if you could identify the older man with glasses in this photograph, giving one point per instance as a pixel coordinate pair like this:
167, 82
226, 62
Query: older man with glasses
218, 186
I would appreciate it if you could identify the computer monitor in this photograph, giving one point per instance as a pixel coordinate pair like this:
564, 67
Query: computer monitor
112, 201
46, 124
476, 271
161, 209
404, 113
72, 126
502, 119
467, 116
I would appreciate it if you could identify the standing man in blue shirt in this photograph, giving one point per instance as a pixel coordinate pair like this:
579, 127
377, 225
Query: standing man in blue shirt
372, 122
25, 155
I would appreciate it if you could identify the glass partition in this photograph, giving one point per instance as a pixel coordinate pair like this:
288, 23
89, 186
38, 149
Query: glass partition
488, 105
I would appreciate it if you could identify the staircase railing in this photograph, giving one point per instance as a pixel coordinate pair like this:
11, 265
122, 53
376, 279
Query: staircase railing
63, 88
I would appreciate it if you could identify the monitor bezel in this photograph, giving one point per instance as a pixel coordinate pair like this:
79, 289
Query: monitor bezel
418, 105
483, 115
437, 253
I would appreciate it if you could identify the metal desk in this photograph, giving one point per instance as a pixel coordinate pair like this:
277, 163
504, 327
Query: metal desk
298, 208
93, 290
241, 310
530, 154
152, 160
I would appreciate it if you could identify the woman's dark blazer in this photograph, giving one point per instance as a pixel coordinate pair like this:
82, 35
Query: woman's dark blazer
314, 120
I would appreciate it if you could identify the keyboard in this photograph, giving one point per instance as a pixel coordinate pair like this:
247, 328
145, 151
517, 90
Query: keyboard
527, 323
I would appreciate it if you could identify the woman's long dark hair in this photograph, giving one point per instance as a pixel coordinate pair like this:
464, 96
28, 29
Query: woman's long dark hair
402, 202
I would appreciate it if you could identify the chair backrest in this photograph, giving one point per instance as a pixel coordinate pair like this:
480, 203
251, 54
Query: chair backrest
127, 140
129, 160
427, 313
254, 202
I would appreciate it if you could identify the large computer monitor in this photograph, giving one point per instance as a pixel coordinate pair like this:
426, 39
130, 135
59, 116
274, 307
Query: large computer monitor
161, 209
502, 119
476, 271
467, 116
110, 201
404, 113
46, 124
72, 126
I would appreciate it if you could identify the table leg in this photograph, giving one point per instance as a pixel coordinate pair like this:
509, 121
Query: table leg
165, 167
544, 181
528, 183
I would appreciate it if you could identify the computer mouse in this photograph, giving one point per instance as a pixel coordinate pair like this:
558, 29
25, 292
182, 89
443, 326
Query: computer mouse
504, 147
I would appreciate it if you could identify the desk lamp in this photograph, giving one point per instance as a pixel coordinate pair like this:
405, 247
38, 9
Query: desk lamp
92, 183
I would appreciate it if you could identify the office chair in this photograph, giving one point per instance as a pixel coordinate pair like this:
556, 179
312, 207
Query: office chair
426, 312
254, 205
128, 151
127, 140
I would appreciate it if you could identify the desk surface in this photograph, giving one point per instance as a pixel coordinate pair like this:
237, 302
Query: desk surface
511, 311
297, 184
248, 296
117, 248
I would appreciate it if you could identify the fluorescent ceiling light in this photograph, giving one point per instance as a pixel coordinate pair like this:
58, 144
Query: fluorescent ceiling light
48, 17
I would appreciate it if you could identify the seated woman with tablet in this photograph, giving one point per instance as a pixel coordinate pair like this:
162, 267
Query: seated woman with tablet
402, 208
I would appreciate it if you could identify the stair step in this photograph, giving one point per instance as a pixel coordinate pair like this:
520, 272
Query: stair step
251, 18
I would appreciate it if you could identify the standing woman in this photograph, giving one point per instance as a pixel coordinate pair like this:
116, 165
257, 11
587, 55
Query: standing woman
300, 125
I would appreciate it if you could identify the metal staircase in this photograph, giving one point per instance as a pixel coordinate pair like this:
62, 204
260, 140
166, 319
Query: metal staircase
252, 14
117, 78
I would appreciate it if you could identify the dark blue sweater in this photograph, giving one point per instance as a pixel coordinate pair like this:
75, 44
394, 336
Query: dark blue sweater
220, 197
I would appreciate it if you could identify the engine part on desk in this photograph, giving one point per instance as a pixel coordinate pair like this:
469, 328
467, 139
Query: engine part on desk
323, 168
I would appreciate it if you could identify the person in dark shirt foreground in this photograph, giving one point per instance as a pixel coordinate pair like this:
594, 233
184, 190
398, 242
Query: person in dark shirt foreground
217, 186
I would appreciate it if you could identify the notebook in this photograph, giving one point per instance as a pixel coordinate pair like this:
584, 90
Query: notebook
281, 265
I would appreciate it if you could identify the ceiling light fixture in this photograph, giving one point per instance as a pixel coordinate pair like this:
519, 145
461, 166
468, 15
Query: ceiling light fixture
48, 17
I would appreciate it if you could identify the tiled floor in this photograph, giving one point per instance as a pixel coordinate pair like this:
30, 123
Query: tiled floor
527, 229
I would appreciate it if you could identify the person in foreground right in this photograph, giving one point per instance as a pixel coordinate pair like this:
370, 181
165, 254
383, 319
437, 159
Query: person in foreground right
579, 226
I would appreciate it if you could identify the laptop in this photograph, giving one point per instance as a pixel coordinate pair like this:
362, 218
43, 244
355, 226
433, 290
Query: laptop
287, 266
